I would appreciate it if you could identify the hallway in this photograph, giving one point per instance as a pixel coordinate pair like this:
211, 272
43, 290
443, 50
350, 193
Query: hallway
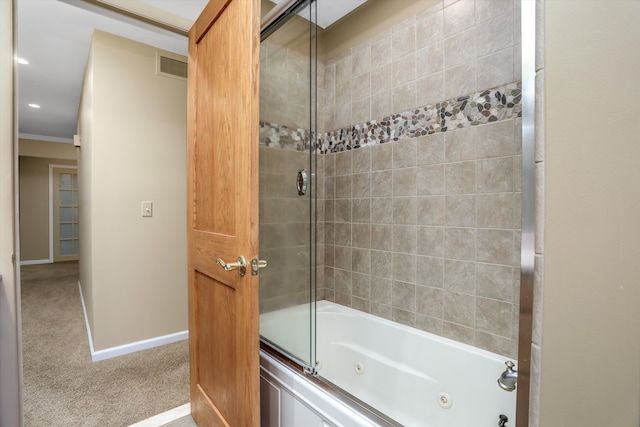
62, 387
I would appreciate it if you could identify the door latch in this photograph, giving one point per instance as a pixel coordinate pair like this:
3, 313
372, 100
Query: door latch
256, 265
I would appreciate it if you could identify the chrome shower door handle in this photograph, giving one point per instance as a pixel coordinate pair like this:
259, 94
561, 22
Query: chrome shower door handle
241, 265
301, 182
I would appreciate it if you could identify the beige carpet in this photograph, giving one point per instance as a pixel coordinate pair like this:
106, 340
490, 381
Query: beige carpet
62, 387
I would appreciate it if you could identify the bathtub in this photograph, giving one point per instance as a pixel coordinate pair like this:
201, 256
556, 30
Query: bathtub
413, 377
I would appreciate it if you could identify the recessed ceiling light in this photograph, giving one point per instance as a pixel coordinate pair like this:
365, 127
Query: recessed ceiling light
22, 61
34, 106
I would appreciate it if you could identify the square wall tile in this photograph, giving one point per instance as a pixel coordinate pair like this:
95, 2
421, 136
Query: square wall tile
430, 271
430, 180
361, 260
403, 38
361, 210
361, 284
361, 160
382, 80
381, 51
360, 88
430, 210
429, 28
404, 239
404, 69
430, 241
458, 333
382, 183
460, 144
459, 16
460, 48
381, 290
381, 263
460, 178
430, 90
361, 60
497, 139
430, 60
361, 235
459, 308
495, 281
495, 175
381, 157
382, 210
404, 267
403, 296
381, 236
495, 210
404, 153
404, 182
430, 301
460, 210
460, 80
460, 276
404, 210
361, 185
494, 316
496, 247
430, 149
460, 243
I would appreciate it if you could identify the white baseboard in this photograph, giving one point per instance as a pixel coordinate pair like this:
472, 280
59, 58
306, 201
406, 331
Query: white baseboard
165, 417
121, 350
35, 262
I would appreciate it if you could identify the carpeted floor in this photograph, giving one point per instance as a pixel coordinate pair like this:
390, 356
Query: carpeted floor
62, 387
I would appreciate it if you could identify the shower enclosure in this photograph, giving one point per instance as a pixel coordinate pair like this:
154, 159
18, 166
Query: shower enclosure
390, 173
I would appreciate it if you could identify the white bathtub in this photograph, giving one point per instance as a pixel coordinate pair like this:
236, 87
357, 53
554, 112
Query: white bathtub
415, 378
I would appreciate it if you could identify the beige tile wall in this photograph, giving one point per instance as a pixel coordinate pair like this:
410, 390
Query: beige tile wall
285, 238
426, 232
284, 85
422, 231
451, 49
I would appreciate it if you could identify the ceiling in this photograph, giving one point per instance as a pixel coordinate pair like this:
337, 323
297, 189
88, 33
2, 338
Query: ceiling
54, 36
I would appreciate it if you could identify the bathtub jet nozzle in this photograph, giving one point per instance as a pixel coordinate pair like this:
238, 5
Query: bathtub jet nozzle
509, 377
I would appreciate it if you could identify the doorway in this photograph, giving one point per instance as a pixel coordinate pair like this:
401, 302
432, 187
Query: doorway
64, 213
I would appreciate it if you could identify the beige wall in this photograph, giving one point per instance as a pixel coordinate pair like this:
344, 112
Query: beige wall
10, 368
34, 206
52, 150
590, 368
86, 160
133, 129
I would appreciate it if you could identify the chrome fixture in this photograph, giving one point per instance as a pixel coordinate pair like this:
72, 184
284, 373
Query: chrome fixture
256, 265
241, 265
301, 182
509, 377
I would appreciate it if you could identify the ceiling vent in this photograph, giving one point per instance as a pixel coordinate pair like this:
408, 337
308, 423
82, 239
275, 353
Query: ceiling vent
171, 67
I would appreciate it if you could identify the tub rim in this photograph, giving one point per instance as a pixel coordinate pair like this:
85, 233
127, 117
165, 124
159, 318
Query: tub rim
345, 398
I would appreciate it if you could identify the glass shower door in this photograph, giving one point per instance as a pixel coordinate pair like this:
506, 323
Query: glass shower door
287, 186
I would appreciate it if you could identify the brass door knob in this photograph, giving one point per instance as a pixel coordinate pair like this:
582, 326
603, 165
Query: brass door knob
241, 265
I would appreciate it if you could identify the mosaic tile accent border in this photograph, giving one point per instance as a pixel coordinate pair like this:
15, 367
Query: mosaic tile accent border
279, 136
492, 105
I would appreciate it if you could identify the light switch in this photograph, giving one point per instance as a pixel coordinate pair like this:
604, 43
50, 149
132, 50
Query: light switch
147, 209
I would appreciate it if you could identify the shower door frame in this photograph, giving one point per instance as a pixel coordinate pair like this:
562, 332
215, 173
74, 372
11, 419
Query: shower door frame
527, 249
272, 21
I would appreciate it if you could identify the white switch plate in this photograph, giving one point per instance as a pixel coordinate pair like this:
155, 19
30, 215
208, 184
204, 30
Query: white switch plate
147, 209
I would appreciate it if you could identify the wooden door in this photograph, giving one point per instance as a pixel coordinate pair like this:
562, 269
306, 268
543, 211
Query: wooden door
223, 132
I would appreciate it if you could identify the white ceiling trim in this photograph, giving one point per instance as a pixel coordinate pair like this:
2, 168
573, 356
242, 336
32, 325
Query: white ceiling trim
45, 138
